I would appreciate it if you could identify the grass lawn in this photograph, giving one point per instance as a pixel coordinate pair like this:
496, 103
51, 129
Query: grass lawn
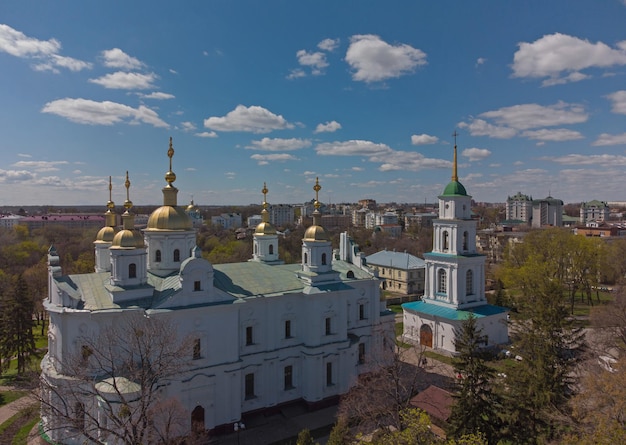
10, 396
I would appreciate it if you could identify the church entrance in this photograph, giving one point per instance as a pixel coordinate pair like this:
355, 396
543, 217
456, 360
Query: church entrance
197, 419
426, 336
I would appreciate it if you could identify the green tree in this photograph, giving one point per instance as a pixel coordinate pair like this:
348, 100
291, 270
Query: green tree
340, 434
476, 405
538, 390
304, 438
17, 324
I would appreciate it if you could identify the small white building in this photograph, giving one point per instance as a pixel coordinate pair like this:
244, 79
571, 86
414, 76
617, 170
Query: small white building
594, 211
227, 220
455, 280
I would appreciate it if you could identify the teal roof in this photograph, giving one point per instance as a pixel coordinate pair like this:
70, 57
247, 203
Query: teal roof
454, 188
423, 307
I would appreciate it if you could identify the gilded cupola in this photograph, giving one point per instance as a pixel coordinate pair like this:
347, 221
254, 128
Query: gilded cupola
169, 216
106, 234
316, 232
265, 227
128, 237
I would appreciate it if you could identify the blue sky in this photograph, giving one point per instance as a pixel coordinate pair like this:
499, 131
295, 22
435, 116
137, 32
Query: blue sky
363, 94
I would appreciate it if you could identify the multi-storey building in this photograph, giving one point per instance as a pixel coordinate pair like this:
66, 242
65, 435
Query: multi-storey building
227, 220
281, 215
594, 211
399, 272
519, 207
547, 212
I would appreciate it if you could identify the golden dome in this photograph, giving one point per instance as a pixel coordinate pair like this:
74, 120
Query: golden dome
315, 233
127, 239
265, 228
105, 235
169, 218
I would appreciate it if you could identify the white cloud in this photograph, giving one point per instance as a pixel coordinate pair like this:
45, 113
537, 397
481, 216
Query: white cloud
188, 126
480, 127
277, 144
24, 155
606, 139
44, 52
252, 119
527, 116
316, 61
328, 44
423, 139
618, 100
554, 135
408, 161
126, 81
276, 157
40, 166
555, 54
357, 169
116, 58
14, 176
604, 160
207, 134
296, 74
328, 127
373, 59
84, 111
476, 154
157, 95
352, 148
480, 61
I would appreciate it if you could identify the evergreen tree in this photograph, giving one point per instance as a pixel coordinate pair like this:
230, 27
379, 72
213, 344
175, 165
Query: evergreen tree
17, 324
475, 410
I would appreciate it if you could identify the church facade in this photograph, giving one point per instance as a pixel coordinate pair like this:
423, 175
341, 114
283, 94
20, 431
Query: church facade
455, 280
264, 333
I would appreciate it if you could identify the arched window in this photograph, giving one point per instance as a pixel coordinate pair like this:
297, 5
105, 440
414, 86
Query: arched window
157, 256
323, 259
271, 249
465, 240
469, 283
132, 270
445, 240
197, 419
442, 285
306, 258
176, 255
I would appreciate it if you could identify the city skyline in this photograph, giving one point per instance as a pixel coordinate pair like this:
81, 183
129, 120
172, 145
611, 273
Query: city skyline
366, 99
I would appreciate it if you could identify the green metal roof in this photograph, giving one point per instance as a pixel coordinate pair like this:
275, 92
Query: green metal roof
454, 188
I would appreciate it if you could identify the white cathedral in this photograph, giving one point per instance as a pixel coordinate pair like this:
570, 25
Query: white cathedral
264, 333
455, 280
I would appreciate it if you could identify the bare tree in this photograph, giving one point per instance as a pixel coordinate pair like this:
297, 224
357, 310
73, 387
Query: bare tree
114, 387
380, 396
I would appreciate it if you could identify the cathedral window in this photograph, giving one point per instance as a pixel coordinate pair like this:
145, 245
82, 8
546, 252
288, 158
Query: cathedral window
196, 349
328, 326
287, 328
249, 337
157, 256
362, 311
442, 285
465, 240
79, 416
306, 258
469, 283
176, 255
271, 249
361, 353
329, 374
197, 286
249, 386
288, 377
445, 240
132, 270
323, 259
